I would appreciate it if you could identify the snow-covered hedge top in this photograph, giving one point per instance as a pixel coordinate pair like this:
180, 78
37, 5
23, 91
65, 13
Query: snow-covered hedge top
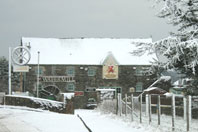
87, 51
40, 100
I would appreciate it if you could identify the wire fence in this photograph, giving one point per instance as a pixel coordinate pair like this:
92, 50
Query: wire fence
172, 113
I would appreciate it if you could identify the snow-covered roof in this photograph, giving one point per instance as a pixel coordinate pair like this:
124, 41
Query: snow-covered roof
159, 90
87, 51
152, 88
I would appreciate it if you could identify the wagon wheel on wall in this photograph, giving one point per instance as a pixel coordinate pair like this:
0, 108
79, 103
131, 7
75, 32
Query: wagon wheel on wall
50, 92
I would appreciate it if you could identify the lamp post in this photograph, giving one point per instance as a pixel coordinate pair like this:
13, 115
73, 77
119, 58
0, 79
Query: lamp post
37, 89
9, 72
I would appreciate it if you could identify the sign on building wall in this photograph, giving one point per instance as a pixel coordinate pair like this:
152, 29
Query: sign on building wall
79, 93
110, 72
110, 67
57, 79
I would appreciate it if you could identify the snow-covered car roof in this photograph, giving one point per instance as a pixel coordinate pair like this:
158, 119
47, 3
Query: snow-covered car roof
85, 51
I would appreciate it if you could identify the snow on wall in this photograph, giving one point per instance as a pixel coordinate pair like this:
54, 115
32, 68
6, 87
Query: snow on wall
68, 95
87, 51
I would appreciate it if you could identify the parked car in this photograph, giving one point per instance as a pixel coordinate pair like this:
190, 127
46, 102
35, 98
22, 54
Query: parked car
91, 103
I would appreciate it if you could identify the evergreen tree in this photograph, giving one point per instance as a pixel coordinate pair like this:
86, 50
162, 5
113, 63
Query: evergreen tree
181, 48
4, 75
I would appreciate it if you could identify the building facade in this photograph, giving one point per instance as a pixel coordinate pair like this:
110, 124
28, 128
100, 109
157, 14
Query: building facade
83, 74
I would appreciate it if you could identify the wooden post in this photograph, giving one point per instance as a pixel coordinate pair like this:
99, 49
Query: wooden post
173, 112
184, 107
141, 108
21, 82
132, 107
159, 109
147, 106
125, 104
150, 110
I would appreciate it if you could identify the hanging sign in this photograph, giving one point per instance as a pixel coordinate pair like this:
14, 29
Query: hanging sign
17, 68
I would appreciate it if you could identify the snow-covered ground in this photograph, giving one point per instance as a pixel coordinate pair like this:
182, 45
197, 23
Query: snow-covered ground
23, 119
98, 122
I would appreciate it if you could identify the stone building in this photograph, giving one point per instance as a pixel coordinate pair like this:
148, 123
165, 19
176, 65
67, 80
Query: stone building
86, 67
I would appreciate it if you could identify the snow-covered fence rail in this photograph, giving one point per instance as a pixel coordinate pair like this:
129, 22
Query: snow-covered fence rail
40, 103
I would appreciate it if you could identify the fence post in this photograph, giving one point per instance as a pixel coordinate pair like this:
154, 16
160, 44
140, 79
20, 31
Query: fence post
118, 98
173, 112
147, 104
120, 104
188, 111
140, 108
150, 110
125, 104
117, 104
132, 107
159, 109
187, 114
184, 107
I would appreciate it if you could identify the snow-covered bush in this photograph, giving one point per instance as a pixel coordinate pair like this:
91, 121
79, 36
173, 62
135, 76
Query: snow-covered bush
107, 106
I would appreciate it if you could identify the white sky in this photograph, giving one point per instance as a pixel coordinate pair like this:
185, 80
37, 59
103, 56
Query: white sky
78, 18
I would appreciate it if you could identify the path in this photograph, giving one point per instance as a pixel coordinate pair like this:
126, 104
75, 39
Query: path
106, 122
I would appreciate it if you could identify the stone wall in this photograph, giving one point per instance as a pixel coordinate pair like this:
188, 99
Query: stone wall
127, 78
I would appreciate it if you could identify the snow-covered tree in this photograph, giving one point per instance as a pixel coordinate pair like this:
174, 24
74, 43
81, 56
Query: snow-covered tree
181, 48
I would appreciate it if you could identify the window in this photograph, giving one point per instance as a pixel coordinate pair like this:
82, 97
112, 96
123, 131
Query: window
70, 71
91, 72
70, 87
138, 71
118, 90
139, 87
